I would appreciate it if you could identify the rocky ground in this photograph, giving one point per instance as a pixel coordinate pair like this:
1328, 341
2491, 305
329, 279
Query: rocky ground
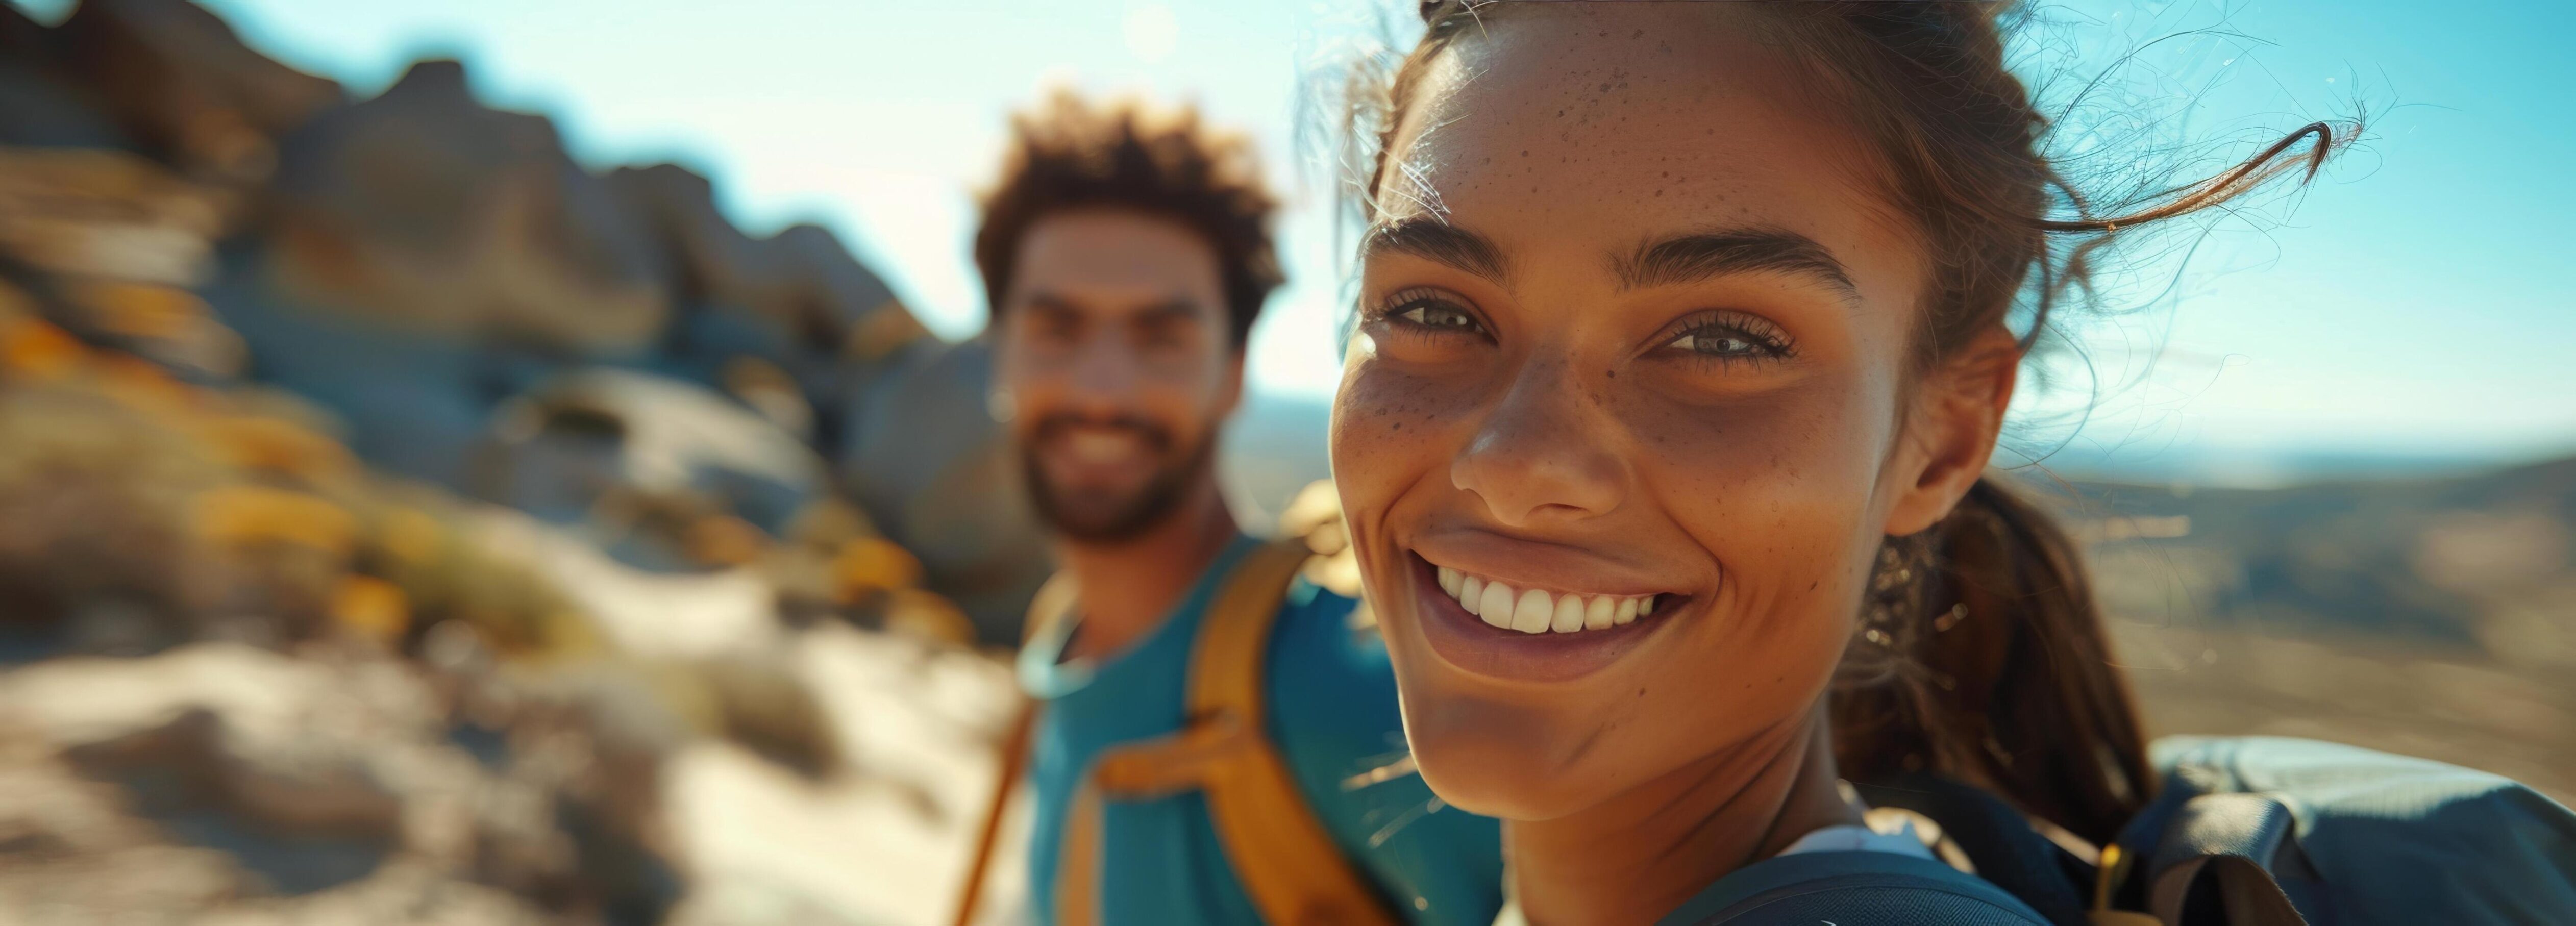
224, 783
244, 679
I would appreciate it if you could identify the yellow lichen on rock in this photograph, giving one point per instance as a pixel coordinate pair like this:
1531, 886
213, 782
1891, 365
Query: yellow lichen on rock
258, 442
872, 564
32, 349
373, 607
928, 616
250, 514
725, 540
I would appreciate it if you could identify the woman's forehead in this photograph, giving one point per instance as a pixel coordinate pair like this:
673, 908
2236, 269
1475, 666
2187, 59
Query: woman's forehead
1624, 120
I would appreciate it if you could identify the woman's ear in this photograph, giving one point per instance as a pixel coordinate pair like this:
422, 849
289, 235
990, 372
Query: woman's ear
1958, 410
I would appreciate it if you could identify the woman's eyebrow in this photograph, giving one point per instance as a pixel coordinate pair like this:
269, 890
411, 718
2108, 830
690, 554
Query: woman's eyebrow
1693, 257
1439, 242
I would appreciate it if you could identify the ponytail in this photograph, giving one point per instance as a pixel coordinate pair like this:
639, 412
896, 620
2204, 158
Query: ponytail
1983, 658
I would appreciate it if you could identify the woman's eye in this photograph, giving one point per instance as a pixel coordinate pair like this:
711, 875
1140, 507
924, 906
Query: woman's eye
1730, 339
1715, 343
1433, 315
1430, 312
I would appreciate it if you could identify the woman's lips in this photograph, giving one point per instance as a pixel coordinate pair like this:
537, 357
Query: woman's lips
1528, 645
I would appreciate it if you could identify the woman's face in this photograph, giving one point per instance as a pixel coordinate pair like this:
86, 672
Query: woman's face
1631, 341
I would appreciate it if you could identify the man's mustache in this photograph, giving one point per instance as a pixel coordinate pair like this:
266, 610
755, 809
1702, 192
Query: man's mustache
1055, 424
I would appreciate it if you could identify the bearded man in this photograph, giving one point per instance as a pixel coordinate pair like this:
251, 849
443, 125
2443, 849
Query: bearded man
1216, 741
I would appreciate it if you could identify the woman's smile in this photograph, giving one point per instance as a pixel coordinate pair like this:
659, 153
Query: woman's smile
1524, 611
1530, 609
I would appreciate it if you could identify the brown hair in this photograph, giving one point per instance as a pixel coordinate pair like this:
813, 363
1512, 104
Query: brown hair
1069, 154
1983, 656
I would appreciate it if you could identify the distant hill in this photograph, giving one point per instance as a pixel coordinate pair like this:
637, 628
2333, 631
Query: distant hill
2466, 560
2429, 617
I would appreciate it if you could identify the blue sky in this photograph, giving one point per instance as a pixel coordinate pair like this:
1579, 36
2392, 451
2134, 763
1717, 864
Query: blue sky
2417, 302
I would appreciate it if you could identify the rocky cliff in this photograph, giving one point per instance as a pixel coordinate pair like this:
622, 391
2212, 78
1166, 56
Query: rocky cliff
402, 522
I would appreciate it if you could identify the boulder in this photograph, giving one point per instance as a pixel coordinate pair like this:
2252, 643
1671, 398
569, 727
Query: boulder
423, 211
924, 458
40, 106
181, 83
165, 324
801, 281
795, 302
413, 404
661, 472
107, 214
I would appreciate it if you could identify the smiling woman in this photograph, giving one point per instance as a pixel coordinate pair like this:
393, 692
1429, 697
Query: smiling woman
1683, 343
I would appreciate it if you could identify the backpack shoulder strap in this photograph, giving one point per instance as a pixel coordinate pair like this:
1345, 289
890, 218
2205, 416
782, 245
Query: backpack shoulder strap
2233, 843
1285, 858
1049, 609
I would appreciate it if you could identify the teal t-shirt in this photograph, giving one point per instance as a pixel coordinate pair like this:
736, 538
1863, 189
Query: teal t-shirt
1332, 714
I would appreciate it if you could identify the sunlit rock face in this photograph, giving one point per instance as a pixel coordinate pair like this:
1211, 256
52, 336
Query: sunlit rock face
183, 87
424, 208
420, 265
656, 470
401, 522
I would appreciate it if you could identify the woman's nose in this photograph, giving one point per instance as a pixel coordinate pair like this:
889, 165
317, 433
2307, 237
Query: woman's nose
1543, 454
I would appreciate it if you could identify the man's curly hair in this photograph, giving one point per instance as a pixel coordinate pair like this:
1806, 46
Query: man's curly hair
1071, 154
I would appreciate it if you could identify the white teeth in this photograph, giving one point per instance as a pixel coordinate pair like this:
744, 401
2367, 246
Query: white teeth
1101, 448
1534, 610
1569, 614
1599, 615
1496, 605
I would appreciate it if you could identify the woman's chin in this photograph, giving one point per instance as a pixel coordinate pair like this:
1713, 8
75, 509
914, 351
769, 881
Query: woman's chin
1500, 774
1484, 755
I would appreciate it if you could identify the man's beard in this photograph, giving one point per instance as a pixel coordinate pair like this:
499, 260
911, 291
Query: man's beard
1106, 520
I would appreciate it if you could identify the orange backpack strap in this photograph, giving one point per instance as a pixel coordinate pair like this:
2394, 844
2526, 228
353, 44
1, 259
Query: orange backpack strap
1286, 860
1047, 613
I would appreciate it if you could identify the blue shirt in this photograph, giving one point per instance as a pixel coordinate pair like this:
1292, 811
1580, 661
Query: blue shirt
1332, 713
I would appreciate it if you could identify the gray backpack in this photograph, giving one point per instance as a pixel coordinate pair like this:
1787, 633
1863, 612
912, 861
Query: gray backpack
2268, 831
